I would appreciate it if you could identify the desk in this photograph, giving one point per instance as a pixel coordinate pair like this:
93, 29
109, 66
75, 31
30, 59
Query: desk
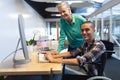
32, 68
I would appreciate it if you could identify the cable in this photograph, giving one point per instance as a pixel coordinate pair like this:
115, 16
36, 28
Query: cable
13, 51
10, 54
16, 50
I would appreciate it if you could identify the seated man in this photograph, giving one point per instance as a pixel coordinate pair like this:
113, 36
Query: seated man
90, 51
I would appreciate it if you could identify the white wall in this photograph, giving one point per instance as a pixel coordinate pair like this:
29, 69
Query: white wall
9, 10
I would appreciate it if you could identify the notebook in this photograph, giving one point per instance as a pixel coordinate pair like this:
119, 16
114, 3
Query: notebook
42, 58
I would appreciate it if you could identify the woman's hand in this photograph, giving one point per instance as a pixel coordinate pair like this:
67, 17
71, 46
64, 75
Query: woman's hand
49, 57
51, 52
54, 52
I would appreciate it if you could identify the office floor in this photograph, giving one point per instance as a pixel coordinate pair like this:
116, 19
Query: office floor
112, 68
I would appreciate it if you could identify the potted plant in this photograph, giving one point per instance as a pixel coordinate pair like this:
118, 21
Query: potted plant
31, 41
30, 44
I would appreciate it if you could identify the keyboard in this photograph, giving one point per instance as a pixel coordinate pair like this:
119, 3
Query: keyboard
42, 58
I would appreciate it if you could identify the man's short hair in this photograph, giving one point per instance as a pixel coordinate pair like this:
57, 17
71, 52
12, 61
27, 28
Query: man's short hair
93, 26
61, 4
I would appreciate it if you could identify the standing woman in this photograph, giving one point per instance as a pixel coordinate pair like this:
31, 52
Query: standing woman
69, 27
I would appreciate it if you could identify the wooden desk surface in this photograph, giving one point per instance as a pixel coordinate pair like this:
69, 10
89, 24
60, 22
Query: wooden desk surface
32, 68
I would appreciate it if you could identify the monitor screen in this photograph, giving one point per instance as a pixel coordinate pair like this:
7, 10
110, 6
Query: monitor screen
23, 42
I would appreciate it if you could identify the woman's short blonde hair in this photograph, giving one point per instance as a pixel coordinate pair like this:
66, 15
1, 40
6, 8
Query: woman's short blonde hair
61, 4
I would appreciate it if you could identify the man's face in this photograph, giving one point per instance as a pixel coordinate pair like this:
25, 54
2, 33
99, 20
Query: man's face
87, 32
64, 12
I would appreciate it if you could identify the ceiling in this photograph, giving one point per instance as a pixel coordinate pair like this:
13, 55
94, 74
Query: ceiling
48, 9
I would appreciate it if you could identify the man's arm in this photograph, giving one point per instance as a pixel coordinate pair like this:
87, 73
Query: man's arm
65, 54
71, 61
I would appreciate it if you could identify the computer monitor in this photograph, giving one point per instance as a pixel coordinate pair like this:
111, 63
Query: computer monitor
22, 39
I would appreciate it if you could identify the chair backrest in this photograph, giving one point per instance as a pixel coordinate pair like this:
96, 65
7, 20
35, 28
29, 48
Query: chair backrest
109, 47
101, 64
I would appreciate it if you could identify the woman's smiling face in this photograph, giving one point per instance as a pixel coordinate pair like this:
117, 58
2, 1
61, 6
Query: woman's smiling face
65, 12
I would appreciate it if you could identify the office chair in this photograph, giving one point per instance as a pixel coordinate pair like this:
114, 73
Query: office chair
99, 78
109, 47
99, 65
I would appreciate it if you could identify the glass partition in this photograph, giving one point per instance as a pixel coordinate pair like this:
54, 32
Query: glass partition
106, 25
98, 29
116, 22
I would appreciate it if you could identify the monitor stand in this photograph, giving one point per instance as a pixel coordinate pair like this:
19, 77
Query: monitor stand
19, 61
